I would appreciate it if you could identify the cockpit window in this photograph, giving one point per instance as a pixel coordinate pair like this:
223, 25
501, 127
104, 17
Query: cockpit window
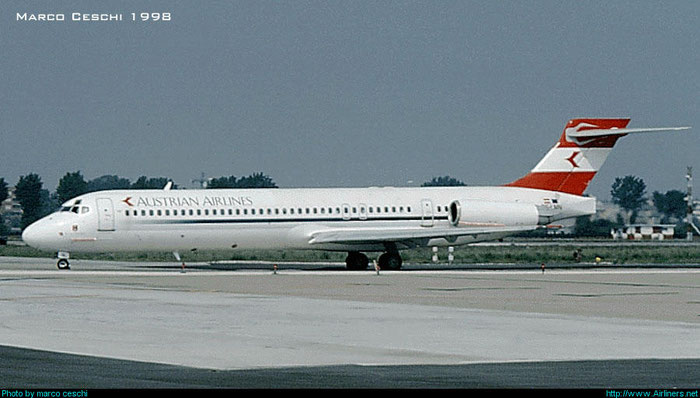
65, 208
84, 209
75, 209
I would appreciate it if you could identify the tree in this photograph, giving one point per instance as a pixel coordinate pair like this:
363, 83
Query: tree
222, 182
445, 181
3, 196
255, 180
144, 182
28, 194
670, 204
628, 193
596, 228
3, 190
107, 182
70, 186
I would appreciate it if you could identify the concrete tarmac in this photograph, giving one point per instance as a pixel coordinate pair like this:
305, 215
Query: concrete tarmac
243, 327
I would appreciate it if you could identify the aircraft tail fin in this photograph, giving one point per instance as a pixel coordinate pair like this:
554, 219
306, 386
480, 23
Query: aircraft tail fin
578, 155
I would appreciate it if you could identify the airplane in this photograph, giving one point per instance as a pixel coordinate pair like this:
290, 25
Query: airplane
353, 220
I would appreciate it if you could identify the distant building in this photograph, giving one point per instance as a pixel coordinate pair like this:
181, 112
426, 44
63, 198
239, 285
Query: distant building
11, 211
644, 232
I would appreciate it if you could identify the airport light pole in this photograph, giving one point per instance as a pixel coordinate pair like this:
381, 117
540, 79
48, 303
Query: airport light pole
689, 200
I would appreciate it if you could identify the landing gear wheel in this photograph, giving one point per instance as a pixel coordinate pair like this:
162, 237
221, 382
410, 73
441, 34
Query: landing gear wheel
390, 261
356, 261
63, 264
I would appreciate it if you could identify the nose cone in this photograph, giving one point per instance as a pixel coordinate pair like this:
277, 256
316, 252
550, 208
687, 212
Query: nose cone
32, 236
29, 235
39, 236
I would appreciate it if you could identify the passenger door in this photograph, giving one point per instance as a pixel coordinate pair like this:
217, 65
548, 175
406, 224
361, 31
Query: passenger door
427, 213
105, 214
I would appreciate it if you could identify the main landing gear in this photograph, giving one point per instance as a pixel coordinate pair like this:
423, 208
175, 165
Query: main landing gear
356, 261
391, 261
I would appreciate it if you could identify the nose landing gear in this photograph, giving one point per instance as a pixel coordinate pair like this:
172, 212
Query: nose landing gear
62, 262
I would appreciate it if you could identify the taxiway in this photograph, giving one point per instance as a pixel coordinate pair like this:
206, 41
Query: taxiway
444, 323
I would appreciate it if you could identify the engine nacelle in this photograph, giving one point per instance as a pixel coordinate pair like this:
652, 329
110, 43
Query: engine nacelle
476, 213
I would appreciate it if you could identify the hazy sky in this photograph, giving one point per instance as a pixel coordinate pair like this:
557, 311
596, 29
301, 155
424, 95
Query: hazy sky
346, 93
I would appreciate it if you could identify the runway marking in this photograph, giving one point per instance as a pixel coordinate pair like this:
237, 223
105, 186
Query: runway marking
460, 289
49, 297
614, 294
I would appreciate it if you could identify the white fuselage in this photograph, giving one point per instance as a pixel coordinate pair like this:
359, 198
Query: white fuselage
181, 220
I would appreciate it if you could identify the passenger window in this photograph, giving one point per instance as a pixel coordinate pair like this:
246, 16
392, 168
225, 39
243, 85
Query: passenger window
238, 212
213, 212
160, 212
245, 212
199, 212
409, 209
126, 212
167, 212
143, 212
151, 212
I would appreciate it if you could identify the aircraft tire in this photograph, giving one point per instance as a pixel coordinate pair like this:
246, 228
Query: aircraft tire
390, 261
63, 264
356, 261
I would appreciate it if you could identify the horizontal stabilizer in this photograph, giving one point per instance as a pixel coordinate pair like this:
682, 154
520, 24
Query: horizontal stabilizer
614, 131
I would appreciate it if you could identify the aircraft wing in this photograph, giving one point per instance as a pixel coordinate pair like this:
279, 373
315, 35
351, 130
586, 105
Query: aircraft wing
408, 236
